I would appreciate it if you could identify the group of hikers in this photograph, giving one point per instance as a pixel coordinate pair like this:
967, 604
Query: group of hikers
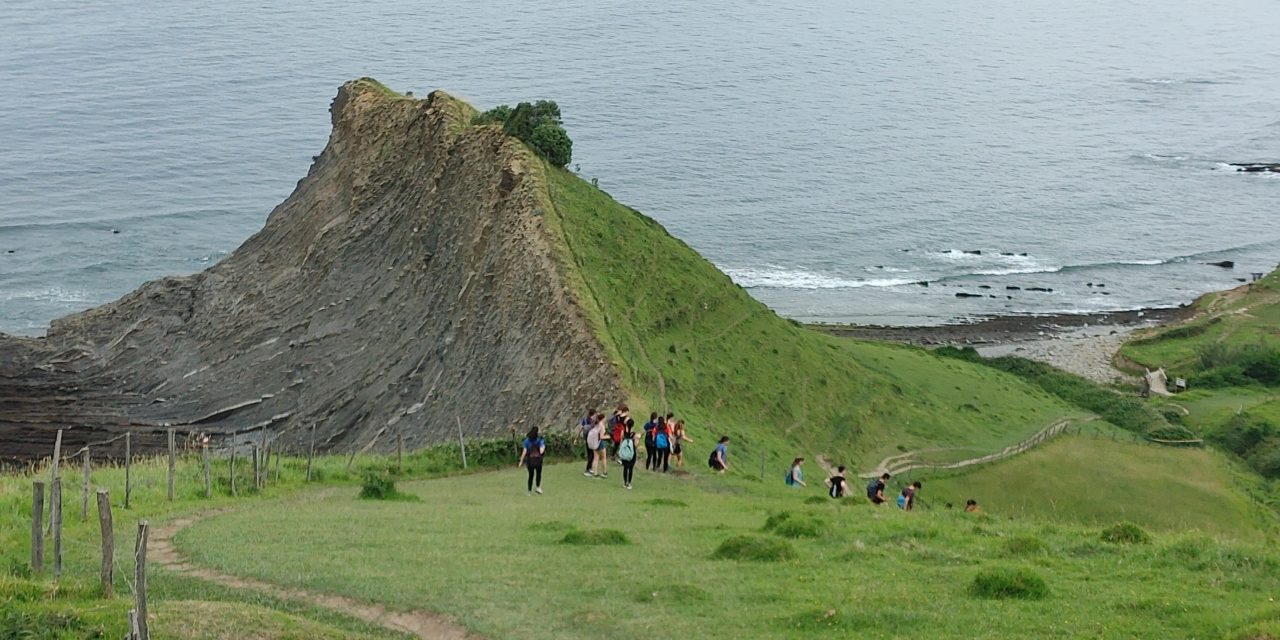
838, 487
615, 437
665, 440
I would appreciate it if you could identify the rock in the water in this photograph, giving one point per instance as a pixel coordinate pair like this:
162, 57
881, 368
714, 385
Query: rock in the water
1225, 264
974, 252
1257, 167
962, 294
1040, 289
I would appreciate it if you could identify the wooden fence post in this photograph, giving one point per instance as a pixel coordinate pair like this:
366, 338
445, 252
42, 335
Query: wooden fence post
266, 460
233, 463
84, 489
140, 581
173, 462
208, 482
54, 471
462, 444
277, 465
37, 526
254, 452
311, 451
399, 453
134, 632
55, 522
108, 543
128, 464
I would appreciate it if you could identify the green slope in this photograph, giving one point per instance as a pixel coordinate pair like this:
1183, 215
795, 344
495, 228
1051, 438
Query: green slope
686, 337
1095, 480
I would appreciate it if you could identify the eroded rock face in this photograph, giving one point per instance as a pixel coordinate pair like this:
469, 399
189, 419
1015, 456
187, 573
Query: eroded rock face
408, 282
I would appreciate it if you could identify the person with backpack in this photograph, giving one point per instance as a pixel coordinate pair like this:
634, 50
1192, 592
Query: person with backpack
907, 500
795, 474
615, 430
875, 489
678, 438
586, 425
531, 457
627, 453
650, 447
662, 442
719, 459
837, 486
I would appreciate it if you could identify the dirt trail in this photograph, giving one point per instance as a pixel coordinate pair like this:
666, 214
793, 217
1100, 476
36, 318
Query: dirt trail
904, 462
421, 624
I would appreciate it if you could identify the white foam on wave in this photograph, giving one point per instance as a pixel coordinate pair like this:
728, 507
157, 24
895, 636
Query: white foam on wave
52, 294
775, 277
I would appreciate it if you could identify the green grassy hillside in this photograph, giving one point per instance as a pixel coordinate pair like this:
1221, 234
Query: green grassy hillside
479, 549
686, 337
1097, 480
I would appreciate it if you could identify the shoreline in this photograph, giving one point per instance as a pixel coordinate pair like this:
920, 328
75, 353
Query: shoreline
1083, 344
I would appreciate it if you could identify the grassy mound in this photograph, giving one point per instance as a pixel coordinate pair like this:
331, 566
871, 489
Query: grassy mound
665, 502
1125, 533
1003, 584
1026, 546
754, 548
595, 537
783, 524
684, 336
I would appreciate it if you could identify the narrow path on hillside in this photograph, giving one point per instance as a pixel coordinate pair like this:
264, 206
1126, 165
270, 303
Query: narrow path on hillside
903, 462
428, 626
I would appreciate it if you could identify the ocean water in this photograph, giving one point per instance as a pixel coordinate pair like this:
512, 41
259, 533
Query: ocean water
826, 154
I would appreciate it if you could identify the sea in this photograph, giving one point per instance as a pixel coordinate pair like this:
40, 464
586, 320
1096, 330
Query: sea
842, 160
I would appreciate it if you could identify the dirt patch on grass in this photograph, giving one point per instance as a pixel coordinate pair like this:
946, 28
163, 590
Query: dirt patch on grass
429, 626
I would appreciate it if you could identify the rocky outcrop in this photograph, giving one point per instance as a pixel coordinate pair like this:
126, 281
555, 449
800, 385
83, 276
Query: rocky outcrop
407, 284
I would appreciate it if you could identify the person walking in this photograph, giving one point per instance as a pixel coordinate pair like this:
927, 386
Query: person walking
662, 440
875, 489
795, 475
650, 447
627, 453
678, 439
531, 457
907, 501
837, 486
587, 424
719, 460
598, 440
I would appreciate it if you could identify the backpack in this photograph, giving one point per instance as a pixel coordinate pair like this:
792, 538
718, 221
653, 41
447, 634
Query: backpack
661, 440
532, 452
789, 479
627, 450
837, 487
872, 487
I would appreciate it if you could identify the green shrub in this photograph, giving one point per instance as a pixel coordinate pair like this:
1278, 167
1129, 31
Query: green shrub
377, 485
776, 519
595, 537
754, 548
1125, 533
1002, 584
1026, 546
42, 625
816, 500
537, 125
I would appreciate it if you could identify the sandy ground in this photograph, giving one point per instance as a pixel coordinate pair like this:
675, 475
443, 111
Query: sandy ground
1082, 344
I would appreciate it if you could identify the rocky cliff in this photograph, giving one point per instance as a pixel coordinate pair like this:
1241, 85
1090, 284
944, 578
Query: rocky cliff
408, 284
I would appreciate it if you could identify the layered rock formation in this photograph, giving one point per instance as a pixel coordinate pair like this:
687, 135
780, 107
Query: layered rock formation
408, 284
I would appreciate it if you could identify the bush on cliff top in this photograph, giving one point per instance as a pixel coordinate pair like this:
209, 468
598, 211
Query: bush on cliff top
537, 125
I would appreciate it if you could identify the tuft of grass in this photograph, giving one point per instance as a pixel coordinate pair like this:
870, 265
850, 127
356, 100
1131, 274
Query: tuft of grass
551, 525
754, 548
666, 502
592, 537
1125, 533
379, 485
1026, 546
807, 527
816, 500
1004, 584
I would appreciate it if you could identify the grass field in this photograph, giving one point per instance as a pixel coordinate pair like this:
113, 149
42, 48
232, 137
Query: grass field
480, 549
681, 331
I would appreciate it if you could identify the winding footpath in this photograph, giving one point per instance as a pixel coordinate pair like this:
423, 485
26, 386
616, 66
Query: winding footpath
420, 624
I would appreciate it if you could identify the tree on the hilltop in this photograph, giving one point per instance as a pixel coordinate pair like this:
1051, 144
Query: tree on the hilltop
537, 125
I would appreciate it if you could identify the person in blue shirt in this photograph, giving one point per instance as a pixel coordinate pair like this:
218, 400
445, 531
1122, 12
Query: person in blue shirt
719, 459
531, 458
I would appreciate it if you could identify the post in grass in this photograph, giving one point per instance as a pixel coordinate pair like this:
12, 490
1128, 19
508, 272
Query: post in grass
173, 462
208, 482
107, 571
37, 526
140, 581
128, 465
55, 523
84, 488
